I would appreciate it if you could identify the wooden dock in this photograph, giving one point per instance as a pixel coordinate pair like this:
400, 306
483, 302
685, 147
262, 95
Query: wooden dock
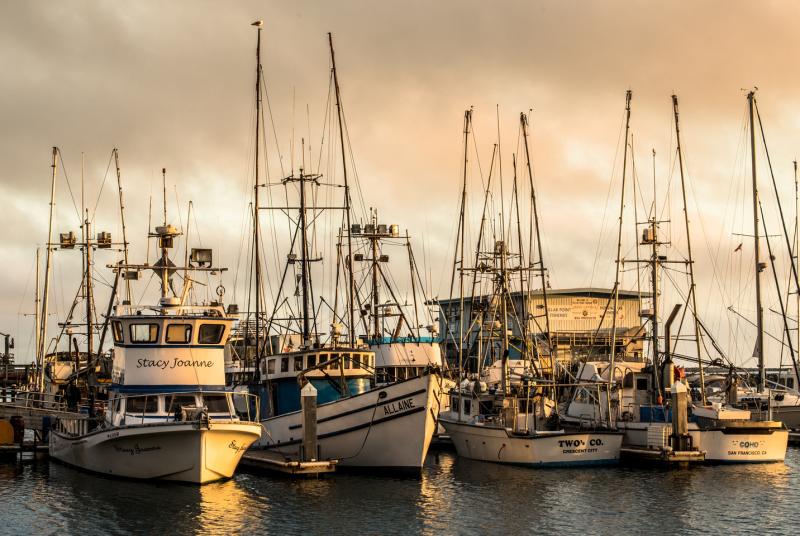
662, 456
16, 450
273, 461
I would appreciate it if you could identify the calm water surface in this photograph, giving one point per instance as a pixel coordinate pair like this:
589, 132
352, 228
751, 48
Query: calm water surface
453, 496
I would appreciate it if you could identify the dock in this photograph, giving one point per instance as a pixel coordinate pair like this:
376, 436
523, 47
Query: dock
15, 450
663, 456
273, 461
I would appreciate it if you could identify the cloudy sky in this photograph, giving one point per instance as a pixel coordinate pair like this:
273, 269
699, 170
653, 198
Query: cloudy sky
170, 85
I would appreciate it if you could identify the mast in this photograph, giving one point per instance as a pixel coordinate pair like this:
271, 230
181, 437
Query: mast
47, 264
350, 278
122, 220
797, 248
504, 309
467, 122
304, 261
89, 295
628, 96
376, 320
524, 121
164, 255
693, 288
256, 223
759, 350
36, 304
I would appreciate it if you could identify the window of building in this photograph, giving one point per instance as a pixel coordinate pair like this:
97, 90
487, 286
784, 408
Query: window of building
210, 333
179, 333
116, 328
144, 333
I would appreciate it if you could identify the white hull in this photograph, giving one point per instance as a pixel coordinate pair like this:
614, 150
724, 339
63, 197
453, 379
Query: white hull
720, 446
182, 451
495, 444
788, 415
391, 430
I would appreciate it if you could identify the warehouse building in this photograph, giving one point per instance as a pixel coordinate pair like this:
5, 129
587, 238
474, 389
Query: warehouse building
581, 323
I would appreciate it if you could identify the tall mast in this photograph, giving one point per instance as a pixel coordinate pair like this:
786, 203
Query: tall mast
36, 304
304, 261
89, 295
693, 288
467, 123
524, 121
628, 96
759, 350
350, 279
122, 220
504, 311
46, 294
256, 223
376, 320
162, 245
797, 247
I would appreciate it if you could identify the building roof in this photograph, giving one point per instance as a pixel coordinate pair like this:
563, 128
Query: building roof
579, 291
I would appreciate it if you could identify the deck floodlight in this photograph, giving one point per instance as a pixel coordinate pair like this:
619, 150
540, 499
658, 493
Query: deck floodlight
67, 240
104, 240
201, 257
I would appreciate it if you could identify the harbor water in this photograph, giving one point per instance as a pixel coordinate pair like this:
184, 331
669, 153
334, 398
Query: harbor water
453, 496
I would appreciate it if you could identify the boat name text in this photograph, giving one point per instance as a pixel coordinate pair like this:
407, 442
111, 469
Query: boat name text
397, 407
163, 364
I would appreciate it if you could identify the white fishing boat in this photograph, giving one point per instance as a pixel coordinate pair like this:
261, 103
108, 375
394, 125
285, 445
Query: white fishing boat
724, 433
506, 412
360, 421
516, 432
169, 415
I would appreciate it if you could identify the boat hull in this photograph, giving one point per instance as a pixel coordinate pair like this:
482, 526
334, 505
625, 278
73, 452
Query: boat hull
494, 444
788, 415
182, 452
390, 427
721, 445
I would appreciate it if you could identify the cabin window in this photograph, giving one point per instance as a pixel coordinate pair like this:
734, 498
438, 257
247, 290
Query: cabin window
627, 381
179, 333
356, 361
467, 406
174, 403
216, 403
312, 361
284, 364
790, 383
271, 366
298, 363
141, 404
641, 384
144, 333
210, 333
116, 328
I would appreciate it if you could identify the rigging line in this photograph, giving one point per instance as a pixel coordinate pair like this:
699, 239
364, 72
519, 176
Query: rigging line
69, 186
272, 123
608, 198
777, 197
102, 184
